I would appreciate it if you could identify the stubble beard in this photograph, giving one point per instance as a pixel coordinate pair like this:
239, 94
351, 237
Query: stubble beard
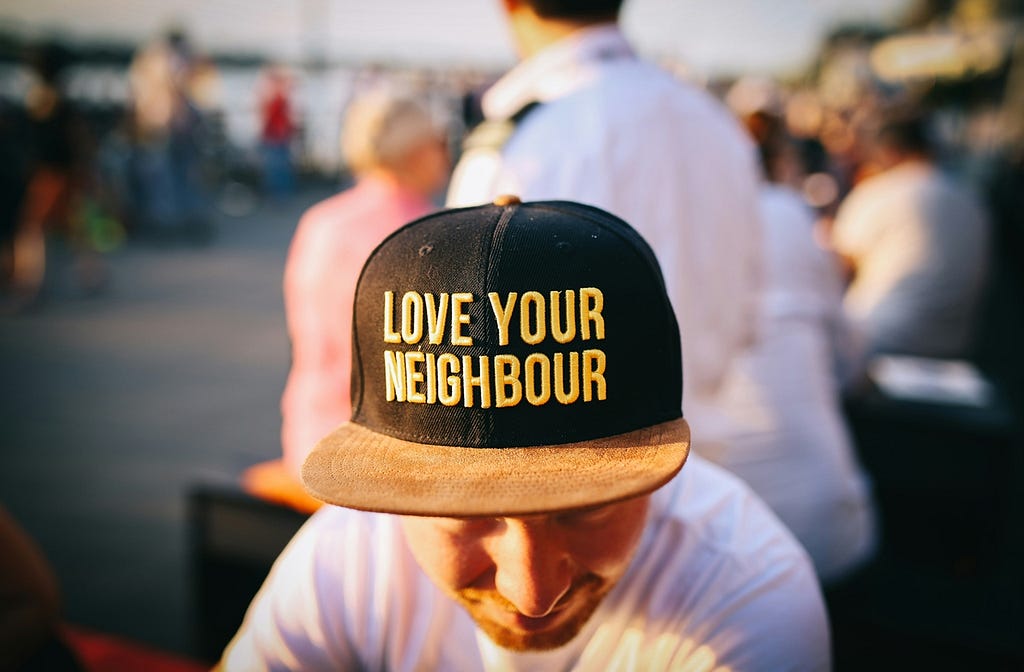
586, 594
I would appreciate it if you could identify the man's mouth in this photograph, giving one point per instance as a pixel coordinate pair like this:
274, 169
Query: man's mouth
522, 623
511, 629
500, 611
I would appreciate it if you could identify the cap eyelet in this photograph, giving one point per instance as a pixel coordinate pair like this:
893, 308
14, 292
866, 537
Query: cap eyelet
505, 200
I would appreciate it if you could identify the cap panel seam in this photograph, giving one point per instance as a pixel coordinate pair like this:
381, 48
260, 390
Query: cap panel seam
497, 234
487, 272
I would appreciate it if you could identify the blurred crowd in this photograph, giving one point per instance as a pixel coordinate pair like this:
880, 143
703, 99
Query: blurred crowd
104, 146
908, 151
156, 147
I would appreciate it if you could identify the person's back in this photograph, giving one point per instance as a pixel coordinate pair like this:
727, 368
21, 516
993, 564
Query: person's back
920, 241
615, 131
791, 444
917, 243
397, 152
331, 242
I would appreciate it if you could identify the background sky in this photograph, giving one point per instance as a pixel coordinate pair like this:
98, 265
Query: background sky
710, 36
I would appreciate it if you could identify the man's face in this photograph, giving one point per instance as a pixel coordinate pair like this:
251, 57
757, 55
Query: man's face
529, 582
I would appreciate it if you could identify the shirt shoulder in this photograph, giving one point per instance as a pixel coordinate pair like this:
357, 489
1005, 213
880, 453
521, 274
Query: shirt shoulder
631, 131
719, 512
346, 227
307, 614
881, 200
347, 594
632, 97
725, 577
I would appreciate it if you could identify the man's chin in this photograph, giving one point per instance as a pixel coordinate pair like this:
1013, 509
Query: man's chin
556, 636
511, 630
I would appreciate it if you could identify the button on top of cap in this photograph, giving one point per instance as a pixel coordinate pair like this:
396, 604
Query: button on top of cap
507, 199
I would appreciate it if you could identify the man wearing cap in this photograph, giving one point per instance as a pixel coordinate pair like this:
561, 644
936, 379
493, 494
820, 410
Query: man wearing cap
583, 118
506, 493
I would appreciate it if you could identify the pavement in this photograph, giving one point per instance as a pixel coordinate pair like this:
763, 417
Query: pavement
113, 406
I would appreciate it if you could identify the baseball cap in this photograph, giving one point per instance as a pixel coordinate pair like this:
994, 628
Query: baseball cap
508, 359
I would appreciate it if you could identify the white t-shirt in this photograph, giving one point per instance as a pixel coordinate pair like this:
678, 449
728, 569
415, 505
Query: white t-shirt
717, 583
788, 439
619, 133
919, 242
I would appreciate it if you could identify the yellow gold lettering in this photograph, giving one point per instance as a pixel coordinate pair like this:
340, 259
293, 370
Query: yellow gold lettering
431, 370
502, 314
591, 305
532, 395
436, 316
574, 377
593, 372
483, 381
412, 317
460, 318
506, 374
570, 316
394, 375
539, 332
449, 392
413, 378
390, 335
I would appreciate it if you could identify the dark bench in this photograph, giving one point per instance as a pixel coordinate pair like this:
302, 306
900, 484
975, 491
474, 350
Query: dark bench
947, 587
234, 540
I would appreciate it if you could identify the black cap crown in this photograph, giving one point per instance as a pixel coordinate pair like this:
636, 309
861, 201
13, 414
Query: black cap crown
512, 325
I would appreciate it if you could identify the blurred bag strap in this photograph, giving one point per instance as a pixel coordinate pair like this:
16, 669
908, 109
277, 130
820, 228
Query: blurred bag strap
492, 134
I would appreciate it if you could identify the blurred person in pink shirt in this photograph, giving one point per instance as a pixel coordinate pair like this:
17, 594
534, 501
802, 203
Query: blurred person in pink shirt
398, 153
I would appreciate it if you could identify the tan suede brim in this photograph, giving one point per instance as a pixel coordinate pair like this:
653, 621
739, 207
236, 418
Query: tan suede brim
358, 468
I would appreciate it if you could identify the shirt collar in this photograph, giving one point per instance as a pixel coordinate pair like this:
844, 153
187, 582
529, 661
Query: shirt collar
556, 70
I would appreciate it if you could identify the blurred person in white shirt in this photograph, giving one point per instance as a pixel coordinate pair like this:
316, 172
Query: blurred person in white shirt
582, 117
915, 242
790, 441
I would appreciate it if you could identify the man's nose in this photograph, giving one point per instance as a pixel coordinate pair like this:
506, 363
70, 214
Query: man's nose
533, 569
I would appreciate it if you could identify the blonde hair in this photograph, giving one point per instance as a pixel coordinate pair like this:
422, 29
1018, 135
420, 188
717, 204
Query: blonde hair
381, 128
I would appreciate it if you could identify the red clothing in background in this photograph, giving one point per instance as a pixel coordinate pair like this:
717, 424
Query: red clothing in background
277, 119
